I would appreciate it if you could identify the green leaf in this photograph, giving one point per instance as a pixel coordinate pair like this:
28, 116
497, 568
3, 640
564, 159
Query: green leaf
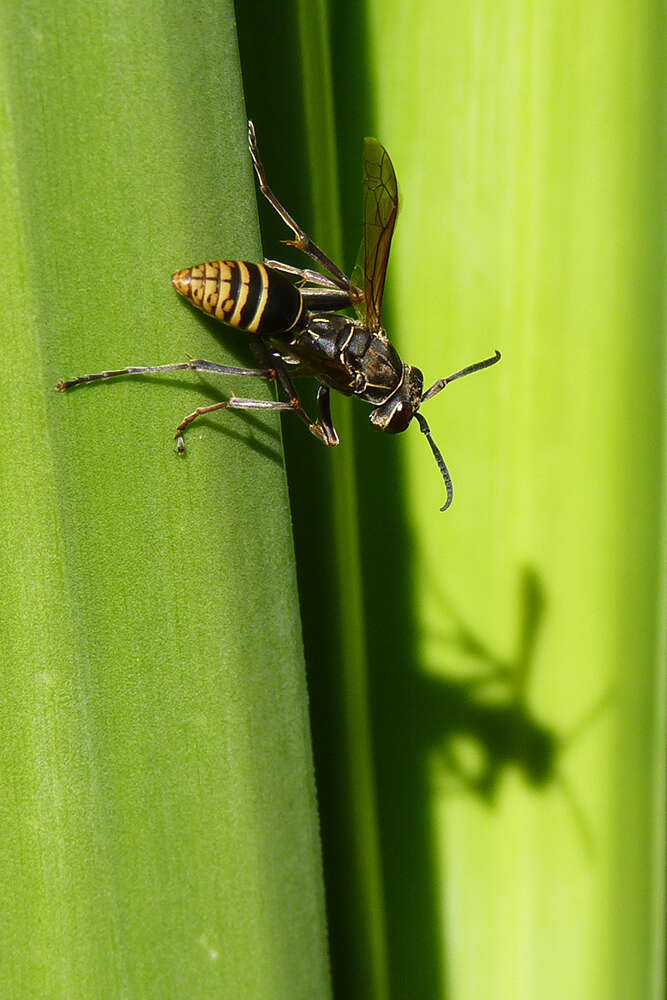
159, 833
513, 643
487, 685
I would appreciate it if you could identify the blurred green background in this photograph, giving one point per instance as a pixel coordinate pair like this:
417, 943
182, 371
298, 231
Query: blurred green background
486, 685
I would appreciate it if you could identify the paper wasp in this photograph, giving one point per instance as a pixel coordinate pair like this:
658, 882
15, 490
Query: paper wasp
297, 329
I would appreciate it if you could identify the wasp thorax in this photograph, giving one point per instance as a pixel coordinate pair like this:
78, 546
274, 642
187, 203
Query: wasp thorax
394, 415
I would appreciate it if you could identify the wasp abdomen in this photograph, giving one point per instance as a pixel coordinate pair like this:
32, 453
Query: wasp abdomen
249, 296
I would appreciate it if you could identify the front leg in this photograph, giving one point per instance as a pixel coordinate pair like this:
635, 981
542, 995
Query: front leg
324, 415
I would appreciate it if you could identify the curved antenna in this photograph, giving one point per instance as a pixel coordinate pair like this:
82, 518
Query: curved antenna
425, 429
442, 382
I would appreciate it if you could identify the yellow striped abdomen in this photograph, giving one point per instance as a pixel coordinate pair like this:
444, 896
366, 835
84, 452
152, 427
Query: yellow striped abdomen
249, 296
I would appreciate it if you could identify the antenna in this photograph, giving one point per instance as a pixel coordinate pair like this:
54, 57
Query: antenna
425, 429
442, 382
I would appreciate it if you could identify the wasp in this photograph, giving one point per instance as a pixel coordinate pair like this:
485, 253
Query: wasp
294, 320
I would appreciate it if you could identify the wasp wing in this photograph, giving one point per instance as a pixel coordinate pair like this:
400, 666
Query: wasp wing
380, 209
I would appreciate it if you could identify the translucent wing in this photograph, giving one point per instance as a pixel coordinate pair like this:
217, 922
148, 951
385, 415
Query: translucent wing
380, 208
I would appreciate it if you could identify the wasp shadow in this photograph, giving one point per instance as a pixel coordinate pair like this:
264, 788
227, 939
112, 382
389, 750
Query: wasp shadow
488, 707
478, 722
487, 715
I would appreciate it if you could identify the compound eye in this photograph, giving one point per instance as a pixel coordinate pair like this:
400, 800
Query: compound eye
400, 418
393, 416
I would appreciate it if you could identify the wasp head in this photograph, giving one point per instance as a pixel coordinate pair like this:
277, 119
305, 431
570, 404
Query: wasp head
394, 415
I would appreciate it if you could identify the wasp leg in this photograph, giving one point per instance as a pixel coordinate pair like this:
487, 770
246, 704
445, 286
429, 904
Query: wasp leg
326, 296
231, 404
352, 295
195, 365
324, 414
323, 428
235, 403
304, 273
302, 242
